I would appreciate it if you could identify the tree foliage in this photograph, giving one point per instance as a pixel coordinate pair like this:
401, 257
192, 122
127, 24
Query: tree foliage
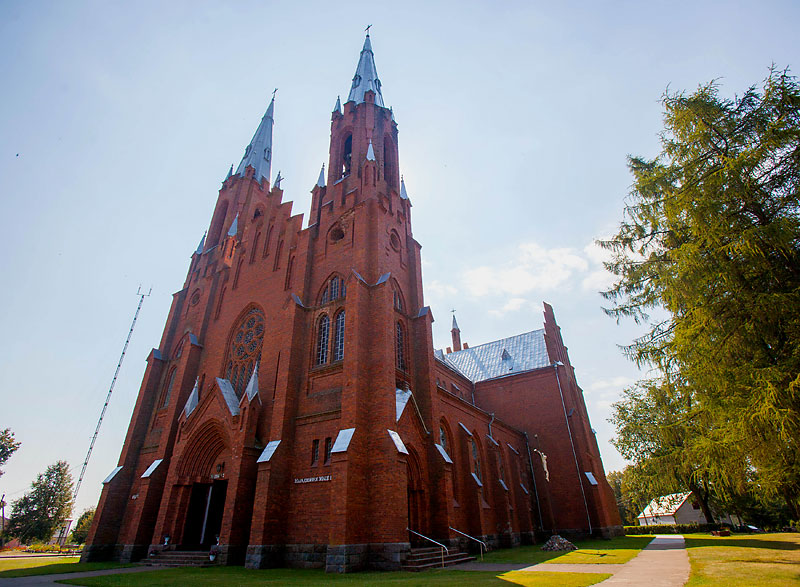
7, 446
41, 511
81, 529
711, 235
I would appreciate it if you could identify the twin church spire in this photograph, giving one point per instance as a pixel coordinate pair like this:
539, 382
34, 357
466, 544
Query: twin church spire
258, 153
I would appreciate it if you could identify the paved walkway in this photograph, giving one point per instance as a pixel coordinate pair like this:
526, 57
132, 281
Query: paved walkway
50, 580
662, 563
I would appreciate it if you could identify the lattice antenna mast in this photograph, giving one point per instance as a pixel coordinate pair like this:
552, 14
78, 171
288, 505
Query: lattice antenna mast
142, 296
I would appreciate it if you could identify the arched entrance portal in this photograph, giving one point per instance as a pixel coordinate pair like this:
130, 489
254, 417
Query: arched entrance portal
203, 472
417, 518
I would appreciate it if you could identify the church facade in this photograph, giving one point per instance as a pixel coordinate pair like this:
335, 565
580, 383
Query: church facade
296, 412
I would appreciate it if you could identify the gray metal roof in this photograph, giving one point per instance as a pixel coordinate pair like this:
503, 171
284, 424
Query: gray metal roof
515, 354
258, 153
366, 77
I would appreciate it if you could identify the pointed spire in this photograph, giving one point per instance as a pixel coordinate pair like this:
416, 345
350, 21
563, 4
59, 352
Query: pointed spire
455, 324
321, 180
230, 173
234, 226
338, 107
404, 196
199, 250
366, 77
252, 387
258, 153
278, 180
370, 152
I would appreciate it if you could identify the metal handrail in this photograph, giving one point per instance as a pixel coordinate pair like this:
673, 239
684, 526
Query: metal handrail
481, 542
444, 548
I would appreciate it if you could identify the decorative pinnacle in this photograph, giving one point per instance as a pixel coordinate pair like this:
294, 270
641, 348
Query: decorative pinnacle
234, 226
370, 152
321, 180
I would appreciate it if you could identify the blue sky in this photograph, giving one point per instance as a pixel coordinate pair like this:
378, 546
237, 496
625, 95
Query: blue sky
119, 120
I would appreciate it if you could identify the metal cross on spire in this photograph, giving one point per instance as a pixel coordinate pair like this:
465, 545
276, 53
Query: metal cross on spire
274, 92
367, 29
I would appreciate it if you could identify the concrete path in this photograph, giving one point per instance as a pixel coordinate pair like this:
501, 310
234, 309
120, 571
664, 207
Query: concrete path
662, 563
50, 580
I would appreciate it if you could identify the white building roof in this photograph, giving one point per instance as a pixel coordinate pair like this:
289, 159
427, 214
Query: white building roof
666, 505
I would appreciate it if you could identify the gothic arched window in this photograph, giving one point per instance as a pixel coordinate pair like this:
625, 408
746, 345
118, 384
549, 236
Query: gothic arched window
338, 337
322, 340
245, 349
476, 460
168, 389
400, 348
333, 290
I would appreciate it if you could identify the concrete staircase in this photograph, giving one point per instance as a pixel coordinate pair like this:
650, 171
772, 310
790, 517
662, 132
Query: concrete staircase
178, 558
422, 559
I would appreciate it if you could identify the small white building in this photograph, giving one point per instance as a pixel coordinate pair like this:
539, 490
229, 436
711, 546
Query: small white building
679, 508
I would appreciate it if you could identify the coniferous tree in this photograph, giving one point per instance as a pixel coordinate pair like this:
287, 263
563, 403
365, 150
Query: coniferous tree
712, 235
41, 511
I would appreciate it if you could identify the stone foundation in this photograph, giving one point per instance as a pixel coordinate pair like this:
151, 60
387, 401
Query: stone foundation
346, 558
264, 556
130, 553
388, 556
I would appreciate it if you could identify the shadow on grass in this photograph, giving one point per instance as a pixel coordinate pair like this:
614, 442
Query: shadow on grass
703, 541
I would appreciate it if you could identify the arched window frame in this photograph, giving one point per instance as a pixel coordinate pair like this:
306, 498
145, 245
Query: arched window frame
476, 459
245, 343
333, 289
323, 333
400, 346
338, 336
169, 382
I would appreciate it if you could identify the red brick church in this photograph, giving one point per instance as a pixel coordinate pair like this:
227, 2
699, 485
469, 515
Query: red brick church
296, 412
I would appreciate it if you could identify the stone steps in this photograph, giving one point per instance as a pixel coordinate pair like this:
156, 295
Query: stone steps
178, 558
421, 559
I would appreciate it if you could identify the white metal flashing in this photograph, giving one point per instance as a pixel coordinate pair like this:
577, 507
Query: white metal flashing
443, 452
503, 485
478, 481
370, 152
590, 476
492, 440
234, 226
465, 429
401, 399
229, 395
525, 489
151, 468
251, 390
343, 440
268, 451
192, 400
112, 474
512, 448
398, 442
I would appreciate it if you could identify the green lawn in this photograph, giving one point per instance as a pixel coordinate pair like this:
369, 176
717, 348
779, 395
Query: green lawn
240, 576
47, 565
748, 559
615, 551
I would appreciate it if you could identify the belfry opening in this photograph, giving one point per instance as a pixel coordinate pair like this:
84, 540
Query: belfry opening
309, 421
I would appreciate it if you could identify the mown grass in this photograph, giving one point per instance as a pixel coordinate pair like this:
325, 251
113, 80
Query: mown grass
47, 565
618, 550
752, 559
245, 577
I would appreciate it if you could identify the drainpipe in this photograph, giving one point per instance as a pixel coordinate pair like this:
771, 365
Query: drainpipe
533, 476
490, 425
556, 365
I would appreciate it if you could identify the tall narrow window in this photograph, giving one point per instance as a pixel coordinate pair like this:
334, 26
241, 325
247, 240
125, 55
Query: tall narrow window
335, 288
338, 337
328, 447
315, 452
443, 438
476, 460
400, 349
322, 340
168, 389
347, 155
